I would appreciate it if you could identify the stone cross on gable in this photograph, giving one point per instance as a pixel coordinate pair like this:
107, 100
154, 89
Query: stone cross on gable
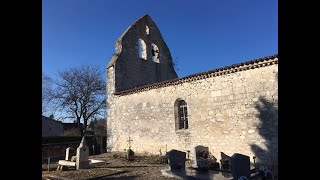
129, 141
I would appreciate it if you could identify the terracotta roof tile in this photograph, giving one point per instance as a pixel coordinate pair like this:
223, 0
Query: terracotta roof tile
215, 72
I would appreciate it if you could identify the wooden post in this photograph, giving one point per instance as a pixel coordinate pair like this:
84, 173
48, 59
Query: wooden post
101, 142
48, 164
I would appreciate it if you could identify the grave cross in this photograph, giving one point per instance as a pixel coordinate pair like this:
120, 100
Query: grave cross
129, 141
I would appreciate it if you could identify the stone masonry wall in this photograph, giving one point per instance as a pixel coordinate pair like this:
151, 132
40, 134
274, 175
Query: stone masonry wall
231, 113
155, 65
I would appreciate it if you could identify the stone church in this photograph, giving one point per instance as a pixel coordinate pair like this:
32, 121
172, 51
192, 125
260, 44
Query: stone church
233, 109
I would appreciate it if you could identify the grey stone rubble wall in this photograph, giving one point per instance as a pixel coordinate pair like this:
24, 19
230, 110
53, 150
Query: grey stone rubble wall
225, 113
57, 151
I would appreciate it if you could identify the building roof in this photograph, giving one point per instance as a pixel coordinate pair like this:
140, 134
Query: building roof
50, 119
252, 64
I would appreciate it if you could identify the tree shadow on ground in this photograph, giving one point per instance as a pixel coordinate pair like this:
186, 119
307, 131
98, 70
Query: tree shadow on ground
109, 176
116, 178
266, 150
127, 166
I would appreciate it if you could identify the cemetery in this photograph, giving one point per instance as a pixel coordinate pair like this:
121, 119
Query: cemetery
137, 119
131, 165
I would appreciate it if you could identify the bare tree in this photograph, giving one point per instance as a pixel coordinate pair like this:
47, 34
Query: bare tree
80, 92
99, 126
46, 88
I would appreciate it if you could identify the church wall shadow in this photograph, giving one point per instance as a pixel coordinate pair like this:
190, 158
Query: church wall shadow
267, 151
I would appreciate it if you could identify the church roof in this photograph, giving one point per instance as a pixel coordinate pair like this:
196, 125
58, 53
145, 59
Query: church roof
256, 63
44, 118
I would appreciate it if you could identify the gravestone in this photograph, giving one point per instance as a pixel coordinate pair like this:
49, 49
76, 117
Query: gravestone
64, 164
82, 161
225, 161
130, 155
73, 159
240, 166
199, 151
214, 164
177, 159
67, 154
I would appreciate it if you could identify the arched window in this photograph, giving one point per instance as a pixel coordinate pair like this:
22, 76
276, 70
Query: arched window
155, 53
147, 30
142, 48
181, 114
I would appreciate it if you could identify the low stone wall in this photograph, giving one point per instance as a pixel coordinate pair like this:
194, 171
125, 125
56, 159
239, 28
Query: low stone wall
57, 151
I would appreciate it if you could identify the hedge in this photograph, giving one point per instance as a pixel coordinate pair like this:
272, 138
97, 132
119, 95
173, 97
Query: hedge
60, 139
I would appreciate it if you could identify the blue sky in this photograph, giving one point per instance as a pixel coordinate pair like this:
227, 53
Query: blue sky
201, 34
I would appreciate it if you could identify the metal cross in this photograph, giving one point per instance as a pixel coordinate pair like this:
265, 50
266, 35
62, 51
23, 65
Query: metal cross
129, 141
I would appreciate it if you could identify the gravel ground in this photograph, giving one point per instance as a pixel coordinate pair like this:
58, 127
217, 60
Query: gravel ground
143, 167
